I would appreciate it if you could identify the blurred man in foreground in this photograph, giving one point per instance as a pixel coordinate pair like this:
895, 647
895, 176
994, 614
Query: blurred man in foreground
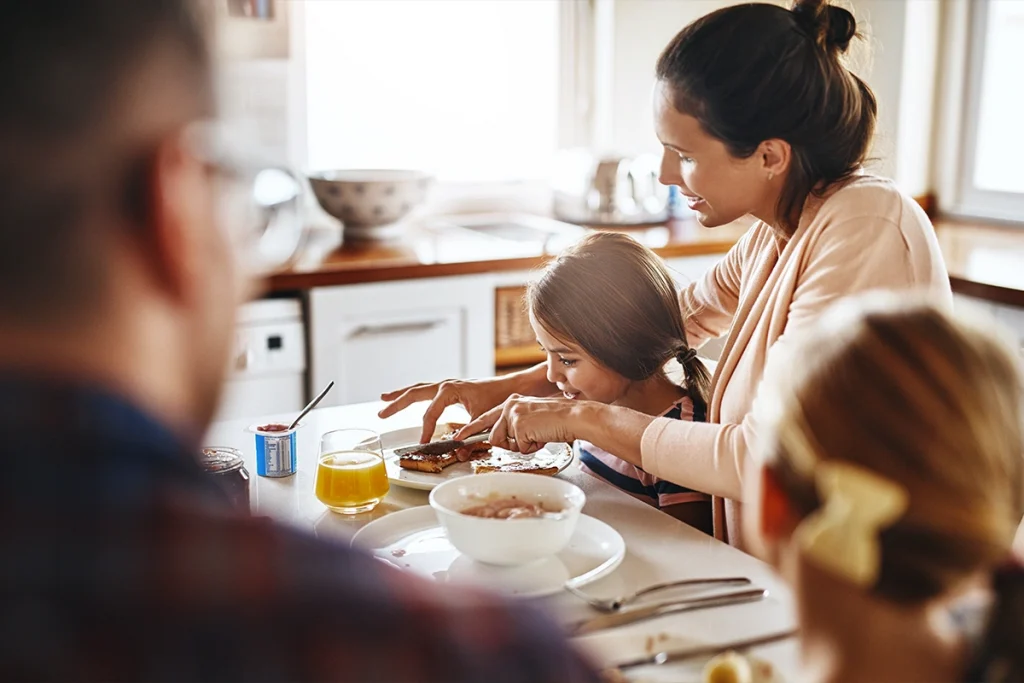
117, 297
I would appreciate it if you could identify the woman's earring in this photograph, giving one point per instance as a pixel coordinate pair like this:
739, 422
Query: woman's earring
770, 175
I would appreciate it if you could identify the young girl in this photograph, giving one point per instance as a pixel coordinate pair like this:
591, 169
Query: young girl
890, 479
607, 315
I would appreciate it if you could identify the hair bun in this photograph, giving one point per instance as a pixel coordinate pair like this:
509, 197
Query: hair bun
830, 26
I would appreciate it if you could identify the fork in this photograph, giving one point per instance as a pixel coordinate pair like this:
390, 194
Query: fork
657, 610
615, 604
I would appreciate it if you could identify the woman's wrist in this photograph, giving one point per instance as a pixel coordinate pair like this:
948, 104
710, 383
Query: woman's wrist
614, 429
585, 420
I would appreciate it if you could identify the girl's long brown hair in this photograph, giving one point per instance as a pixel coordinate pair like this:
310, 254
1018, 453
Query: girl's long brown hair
616, 300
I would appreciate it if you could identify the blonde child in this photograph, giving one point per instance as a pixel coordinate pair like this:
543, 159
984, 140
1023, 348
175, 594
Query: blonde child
891, 479
607, 315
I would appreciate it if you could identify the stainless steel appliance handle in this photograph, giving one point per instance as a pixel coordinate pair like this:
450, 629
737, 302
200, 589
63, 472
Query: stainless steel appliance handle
395, 328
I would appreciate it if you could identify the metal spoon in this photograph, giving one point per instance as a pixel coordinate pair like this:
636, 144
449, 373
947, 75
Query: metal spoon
312, 404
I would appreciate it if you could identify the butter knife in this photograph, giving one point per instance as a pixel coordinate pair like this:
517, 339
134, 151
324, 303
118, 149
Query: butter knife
666, 657
441, 447
662, 609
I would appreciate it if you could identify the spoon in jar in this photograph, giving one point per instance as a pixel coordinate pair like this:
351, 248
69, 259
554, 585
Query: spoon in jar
312, 404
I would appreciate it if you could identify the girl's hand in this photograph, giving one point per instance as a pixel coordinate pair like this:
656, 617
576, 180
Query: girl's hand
526, 424
476, 396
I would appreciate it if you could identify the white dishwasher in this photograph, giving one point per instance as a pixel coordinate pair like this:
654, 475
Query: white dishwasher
268, 363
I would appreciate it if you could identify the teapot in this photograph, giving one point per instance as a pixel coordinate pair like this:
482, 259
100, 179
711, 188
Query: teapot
609, 189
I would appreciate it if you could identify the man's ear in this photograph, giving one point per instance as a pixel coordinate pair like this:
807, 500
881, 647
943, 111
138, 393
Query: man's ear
777, 518
176, 191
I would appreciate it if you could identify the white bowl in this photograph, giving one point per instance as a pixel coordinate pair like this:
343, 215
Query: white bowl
508, 542
369, 202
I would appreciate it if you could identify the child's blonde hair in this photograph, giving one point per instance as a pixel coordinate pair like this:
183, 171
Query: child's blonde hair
931, 404
616, 300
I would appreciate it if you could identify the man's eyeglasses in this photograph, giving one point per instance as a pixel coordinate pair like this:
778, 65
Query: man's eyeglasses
260, 204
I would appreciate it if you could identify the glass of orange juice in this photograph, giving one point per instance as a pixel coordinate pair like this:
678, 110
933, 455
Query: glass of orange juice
350, 473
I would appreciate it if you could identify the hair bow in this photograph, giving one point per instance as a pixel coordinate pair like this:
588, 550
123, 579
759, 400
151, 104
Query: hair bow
842, 536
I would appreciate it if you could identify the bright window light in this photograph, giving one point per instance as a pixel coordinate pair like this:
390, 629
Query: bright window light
465, 89
1000, 133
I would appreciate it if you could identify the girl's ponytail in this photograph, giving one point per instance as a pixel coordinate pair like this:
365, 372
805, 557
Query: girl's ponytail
698, 379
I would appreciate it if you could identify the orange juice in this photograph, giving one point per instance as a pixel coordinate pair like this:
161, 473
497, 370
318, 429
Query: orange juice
351, 481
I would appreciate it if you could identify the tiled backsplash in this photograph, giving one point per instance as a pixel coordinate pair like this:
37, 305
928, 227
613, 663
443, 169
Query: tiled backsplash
254, 93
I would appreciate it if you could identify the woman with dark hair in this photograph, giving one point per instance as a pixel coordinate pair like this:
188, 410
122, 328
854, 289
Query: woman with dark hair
757, 115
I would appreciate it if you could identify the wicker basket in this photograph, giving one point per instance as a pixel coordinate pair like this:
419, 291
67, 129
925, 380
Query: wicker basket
514, 340
511, 321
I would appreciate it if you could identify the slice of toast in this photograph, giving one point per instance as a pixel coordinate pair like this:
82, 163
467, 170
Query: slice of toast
423, 462
427, 463
476, 451
528, 466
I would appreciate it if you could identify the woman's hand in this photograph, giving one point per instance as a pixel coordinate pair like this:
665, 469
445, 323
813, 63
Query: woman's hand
526, 424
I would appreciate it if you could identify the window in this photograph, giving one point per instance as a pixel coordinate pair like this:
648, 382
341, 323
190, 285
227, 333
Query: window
468, 90
992, 165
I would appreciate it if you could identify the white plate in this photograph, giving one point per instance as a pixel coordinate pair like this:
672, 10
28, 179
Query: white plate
413, 540
425, 481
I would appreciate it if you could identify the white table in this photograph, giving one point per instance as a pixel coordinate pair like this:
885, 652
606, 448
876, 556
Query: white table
659, 548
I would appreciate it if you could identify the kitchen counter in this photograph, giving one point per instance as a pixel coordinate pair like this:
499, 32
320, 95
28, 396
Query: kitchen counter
436, 252
984, 261
658, 547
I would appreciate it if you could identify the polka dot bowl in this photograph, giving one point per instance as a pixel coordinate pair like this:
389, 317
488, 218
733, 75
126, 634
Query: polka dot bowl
370, 203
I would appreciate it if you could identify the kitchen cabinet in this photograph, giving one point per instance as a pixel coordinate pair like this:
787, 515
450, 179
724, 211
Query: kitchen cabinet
973, 304
371, 338
1010, 317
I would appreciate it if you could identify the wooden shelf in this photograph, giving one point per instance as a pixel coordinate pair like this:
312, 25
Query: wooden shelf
518, 356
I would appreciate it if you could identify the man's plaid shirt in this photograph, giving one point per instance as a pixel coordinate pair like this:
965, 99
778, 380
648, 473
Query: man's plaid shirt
121, 561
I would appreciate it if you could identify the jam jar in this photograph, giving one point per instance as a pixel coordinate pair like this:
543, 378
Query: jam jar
226, 468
